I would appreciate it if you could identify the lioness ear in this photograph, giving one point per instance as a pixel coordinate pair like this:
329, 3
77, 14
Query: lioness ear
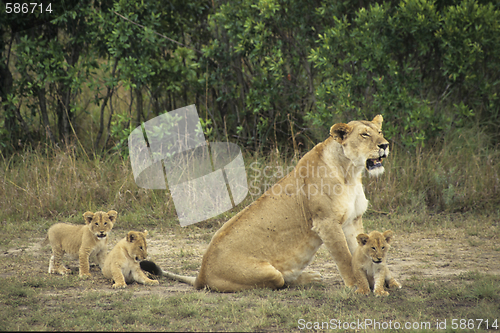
340, 132
388, 235
362, 239
378, 121
88, 216
112, 215
131, 236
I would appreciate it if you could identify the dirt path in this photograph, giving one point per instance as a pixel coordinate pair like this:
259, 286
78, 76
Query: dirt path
440, 254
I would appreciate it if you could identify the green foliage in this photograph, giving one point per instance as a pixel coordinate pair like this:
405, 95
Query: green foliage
261, 75
426, 69
264, 74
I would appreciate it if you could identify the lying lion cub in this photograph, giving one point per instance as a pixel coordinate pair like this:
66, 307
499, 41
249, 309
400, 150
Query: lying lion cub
369, 263
122, 263
80, 241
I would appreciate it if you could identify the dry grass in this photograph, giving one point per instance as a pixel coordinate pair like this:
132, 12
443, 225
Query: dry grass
462, 173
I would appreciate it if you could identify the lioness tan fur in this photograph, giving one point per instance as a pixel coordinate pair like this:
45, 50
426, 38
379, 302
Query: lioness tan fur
370, 266
122, 263
80, 241
271, 242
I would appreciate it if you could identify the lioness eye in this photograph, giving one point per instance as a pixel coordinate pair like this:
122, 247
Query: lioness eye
105, 223
365, 135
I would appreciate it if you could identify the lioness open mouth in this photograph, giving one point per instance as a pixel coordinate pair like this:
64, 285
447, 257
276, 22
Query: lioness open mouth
373, 163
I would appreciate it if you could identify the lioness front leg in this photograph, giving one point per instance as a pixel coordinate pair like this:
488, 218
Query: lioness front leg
333, 237
351, 231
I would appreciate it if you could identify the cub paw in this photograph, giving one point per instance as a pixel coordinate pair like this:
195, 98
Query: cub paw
62, 271
362, 291
394, 285
152, 283
119, 285
381, 293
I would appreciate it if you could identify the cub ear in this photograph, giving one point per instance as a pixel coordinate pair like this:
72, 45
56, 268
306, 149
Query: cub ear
87, 217
362, 239
377, 121
145, 233
131, 236
340, 132
388, 235
112, 215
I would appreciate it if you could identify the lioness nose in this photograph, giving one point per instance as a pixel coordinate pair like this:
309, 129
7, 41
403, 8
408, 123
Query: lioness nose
383, 146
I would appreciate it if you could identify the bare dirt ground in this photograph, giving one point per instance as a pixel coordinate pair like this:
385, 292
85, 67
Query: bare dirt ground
439, 254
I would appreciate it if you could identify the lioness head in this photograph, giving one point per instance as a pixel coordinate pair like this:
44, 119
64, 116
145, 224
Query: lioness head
375, 245
363, 143
100, 223
136, 245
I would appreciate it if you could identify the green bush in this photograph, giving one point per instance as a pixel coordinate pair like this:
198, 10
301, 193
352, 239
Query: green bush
426, 69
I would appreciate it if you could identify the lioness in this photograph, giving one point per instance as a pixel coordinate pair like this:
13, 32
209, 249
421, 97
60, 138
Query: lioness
271, 242
369, 263
80, 241
122, 263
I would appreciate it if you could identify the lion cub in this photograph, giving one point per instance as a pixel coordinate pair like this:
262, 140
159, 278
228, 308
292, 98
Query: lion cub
122, 264
80, 241
369, 263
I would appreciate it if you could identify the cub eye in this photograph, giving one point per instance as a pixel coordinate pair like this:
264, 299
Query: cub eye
373, 248
140, 247
96, 223
383, 247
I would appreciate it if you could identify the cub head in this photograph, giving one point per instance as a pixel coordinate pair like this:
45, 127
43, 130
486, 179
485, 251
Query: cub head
100, 223
136, 245
363, 143
375, 245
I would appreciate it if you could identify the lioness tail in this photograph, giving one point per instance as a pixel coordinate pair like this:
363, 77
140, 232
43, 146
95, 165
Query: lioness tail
154, 269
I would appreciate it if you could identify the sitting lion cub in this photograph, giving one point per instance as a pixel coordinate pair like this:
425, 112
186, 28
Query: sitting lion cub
80, 241
369, 263
122, 264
